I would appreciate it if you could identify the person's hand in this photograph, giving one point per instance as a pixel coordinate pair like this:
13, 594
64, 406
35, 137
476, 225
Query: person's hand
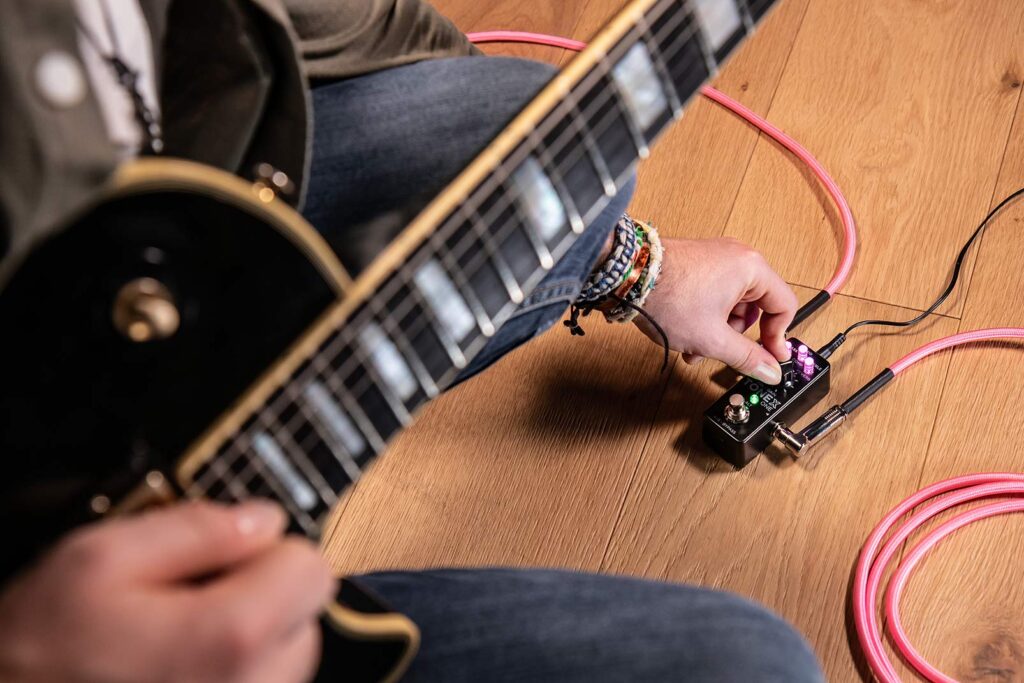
196, 592
709, 293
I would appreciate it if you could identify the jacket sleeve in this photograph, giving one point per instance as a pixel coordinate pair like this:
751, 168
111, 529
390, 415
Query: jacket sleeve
340, 38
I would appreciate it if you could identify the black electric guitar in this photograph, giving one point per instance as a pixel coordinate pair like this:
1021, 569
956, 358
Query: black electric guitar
190, 335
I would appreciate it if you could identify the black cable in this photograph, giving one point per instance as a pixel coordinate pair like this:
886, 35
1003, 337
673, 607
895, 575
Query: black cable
952, 281
805, 311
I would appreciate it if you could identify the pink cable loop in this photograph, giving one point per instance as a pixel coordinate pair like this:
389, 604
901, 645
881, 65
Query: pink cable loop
873, 562
845, 267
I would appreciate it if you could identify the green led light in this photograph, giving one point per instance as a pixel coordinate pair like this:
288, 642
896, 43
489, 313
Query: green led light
754, 399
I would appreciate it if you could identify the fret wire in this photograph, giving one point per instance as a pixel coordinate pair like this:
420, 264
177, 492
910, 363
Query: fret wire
307, 522
577, 130
452, 348
642, 150
590, 148
452, 267
253, 465
350, 459
396, 403
466, 243
548, 161
667, 86
219, 477
536, 241
681, 42
347, 463
709, 57
341, 392
508, 278
410, 355
300, 459
748, 16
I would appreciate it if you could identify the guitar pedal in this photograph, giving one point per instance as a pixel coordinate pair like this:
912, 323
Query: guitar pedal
741, 424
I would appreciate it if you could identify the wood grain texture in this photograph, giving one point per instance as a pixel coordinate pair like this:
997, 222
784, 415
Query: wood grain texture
908, 104
780, 532
965, 606
526, 466
575, 453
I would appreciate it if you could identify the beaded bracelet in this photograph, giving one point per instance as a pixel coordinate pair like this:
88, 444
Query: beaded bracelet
606, 279
621, 285
645, 284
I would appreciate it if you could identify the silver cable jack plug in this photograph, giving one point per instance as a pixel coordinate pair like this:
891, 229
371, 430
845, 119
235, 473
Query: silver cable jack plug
797, 443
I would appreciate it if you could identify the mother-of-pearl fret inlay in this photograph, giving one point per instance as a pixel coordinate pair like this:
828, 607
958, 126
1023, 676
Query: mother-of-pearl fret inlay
640, 86
387, 360
404, 341
720, 20
448, 306
341, 435
301, 493
539, 199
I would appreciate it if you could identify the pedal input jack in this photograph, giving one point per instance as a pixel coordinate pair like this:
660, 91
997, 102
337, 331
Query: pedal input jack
797, 443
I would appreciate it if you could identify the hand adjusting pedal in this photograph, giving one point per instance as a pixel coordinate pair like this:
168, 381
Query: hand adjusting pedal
741, 424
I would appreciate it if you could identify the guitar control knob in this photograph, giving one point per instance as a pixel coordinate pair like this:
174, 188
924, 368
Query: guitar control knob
144, 311
737, 411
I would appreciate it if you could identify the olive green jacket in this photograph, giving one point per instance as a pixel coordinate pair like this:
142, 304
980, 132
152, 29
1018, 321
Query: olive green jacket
233, 78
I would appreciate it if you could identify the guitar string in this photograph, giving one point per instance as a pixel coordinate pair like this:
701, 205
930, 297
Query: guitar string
645, 36
265, 415
390, 288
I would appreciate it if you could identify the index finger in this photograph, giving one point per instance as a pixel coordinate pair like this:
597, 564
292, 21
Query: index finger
778, 303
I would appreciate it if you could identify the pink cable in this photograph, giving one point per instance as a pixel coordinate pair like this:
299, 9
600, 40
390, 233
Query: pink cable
526, 37
955, 340
845, 267
873, 562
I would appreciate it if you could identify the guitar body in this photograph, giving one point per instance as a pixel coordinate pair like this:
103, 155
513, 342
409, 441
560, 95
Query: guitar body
86, 412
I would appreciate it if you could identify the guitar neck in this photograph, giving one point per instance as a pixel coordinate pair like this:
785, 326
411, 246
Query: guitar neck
427, 306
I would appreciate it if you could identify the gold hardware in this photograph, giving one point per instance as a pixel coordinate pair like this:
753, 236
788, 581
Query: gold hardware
144, 311
154, 491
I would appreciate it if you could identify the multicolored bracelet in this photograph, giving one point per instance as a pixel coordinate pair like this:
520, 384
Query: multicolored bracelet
606, 279
623, 282
637, 294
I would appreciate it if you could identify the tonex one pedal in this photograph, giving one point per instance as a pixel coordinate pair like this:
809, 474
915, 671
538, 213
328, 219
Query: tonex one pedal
741, 424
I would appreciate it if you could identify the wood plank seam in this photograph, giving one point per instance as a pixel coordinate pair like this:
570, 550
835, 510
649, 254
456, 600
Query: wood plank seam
1018, 121
670, 371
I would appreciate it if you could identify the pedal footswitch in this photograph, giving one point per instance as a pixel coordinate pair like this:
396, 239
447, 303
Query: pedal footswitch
741, 424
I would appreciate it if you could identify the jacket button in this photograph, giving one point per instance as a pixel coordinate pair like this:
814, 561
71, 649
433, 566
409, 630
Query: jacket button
60, 80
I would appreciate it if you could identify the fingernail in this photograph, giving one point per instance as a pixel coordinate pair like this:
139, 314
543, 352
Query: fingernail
259, 517
769, 374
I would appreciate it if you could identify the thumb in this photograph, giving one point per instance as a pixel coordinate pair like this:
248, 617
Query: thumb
748, 357
193, 539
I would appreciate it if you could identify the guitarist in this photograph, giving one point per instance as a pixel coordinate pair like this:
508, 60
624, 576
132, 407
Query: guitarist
368, 107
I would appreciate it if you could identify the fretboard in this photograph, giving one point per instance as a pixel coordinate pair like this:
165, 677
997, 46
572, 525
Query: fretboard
438, 299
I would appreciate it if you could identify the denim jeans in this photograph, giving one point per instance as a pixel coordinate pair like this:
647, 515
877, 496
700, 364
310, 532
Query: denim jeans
384, 145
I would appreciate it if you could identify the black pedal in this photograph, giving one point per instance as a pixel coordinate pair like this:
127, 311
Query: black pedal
740, 425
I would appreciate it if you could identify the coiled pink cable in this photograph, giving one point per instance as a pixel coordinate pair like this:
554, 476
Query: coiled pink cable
873, 562
845, 266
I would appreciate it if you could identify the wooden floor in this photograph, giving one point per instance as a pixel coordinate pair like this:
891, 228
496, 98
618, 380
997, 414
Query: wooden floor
565, 455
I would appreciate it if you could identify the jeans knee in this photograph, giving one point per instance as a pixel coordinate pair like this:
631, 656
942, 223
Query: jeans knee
758, 645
